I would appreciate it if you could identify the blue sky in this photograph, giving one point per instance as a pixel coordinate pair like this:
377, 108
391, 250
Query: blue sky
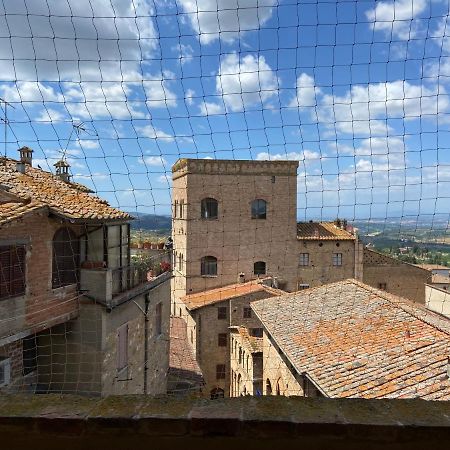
356, 91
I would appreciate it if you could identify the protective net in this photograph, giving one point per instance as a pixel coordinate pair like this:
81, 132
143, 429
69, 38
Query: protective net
225, 197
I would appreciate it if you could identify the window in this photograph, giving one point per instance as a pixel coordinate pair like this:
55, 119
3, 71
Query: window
259, 209
222, 339
302, 286
65, 258
222, 312
220, 371
247, 312
175, 208
304, 259
217, 393
268, 387
29, 354
181, 208
5, 371
208, 266
209, 208
382, 286
12, 271
259, 268
158, 319
337, 259
122, 347
256, 332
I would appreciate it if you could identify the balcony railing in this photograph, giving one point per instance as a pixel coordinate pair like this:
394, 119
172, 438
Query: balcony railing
103, 284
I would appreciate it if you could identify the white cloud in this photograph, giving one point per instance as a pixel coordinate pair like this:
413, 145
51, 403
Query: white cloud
245, 82
304, 155
307, 93
185, 52
50, 115
29, 91
189, 96
158, 94
398, 17
210, 108
88, 144
226, 19
152, 161
149, 131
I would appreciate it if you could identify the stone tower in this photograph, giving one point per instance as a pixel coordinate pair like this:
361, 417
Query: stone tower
233, 221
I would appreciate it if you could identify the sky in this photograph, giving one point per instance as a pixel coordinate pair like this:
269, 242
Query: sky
357, 92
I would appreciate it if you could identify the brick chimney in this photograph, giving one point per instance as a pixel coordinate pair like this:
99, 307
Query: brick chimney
26, 157
62, 170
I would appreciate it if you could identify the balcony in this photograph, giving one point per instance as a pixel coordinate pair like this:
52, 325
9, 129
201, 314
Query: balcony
109, 286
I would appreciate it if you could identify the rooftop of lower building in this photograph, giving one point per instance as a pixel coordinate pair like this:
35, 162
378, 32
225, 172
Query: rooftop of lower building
353, 340
325, 231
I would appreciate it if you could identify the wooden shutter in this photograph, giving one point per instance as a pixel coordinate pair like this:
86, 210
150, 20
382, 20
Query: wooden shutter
12, 271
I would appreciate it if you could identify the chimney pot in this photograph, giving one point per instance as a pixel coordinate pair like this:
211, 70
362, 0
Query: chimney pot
62, 170
26, 155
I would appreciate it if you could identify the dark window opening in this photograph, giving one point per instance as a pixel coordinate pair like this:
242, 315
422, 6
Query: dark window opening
12, 271
217, 393
209, 208
247, 312
222, 339
222, 312
29, 354
209, 265
256, 332
259, 268
259, 209
220, 371
66, 255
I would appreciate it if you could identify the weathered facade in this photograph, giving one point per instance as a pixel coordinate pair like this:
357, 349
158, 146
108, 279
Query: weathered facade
394, 276
76, 314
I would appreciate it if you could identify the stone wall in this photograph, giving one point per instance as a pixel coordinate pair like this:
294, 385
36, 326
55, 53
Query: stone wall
234, 238
321, 270
276, 374
397, 277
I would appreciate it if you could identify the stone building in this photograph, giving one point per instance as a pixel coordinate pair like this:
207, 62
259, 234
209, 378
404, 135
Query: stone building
394, 276
347, 339
209, 316
76, 314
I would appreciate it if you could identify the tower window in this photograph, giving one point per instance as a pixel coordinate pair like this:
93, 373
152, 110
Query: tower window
209, 265
337, 259
209, 208
259, 209
259, 268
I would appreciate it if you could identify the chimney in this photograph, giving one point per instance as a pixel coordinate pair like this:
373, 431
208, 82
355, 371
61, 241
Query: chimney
26, 157
62, 170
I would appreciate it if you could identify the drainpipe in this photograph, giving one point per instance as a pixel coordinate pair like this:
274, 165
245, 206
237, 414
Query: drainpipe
146, 325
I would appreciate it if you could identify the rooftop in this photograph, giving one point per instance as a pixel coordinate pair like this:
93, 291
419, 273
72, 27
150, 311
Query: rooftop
182, 361
322, 231
438, 278
37, 188
433, 267
212, 296
252, 343
356, 341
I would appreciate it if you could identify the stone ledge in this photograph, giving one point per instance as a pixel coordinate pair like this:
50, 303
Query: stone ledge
49, 421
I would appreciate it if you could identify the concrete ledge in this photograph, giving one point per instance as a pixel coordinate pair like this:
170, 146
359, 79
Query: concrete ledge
70, 422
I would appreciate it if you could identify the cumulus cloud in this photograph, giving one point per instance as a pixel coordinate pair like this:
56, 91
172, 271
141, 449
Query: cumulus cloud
304, 155
149, 131
245, 82
153, 161
307, 92
226, 19
210, 108
399, 17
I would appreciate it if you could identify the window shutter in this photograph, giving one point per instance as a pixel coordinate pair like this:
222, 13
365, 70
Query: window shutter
18, 270
5, 271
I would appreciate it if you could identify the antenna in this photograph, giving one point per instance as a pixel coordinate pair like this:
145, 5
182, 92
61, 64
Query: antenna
6, 122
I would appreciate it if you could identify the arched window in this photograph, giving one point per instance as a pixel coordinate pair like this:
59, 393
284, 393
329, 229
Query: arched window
240, 355
209, 208
259, 209
259, 268
278, 388
217, 393
268, 387
66, 255
209, 265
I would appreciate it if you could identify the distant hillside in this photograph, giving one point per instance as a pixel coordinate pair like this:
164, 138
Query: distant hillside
145, 221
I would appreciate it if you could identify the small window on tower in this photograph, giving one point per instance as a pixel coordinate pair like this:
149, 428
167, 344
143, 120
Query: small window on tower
259, 209
209, 208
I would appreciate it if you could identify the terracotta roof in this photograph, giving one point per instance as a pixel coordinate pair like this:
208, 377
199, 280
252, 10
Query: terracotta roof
66, 199
322, 231
182, 361
195, 301
14, 210
252, 343
356, 341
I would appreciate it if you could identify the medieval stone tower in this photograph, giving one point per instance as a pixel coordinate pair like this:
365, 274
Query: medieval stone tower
233, 220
